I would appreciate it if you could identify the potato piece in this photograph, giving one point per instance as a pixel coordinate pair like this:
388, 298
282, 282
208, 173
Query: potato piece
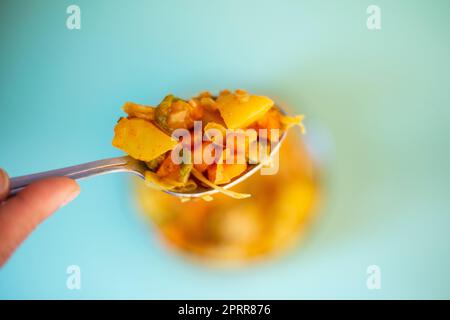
239, 110
141, 139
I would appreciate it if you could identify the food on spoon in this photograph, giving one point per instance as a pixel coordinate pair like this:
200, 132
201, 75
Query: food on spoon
135, 110
141, 139
214, 154
240, 110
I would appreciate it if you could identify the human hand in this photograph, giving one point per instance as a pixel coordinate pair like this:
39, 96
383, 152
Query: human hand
21, 214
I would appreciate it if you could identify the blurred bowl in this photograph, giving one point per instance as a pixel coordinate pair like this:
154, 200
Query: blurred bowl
230, 230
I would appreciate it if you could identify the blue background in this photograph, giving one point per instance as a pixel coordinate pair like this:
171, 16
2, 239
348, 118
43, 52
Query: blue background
377, 104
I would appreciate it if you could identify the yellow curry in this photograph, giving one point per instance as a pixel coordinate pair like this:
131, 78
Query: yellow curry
152, 135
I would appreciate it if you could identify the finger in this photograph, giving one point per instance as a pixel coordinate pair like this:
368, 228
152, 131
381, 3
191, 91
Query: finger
4, 184
22, 213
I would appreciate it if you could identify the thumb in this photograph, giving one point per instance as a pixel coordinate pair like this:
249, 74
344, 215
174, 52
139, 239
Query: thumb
20, 214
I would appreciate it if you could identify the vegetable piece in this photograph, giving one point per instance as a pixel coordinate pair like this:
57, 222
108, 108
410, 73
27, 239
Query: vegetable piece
197, 111
154, 164
185, 172
172, 176
174, 172
211, 172
168, 169
239, 110
162, 113
174, 113
224, 173
141, 139
180, 115
135, 110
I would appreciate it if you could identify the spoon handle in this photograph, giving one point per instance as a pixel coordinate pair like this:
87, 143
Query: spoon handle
75, 172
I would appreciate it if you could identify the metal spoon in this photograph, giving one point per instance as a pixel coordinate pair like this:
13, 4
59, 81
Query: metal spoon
129, 165
124, 164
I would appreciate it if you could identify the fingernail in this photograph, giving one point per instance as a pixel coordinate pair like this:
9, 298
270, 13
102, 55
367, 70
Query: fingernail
70, 197
4, 182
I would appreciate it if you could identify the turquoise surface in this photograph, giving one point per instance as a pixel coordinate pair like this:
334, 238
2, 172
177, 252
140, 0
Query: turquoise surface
377, 104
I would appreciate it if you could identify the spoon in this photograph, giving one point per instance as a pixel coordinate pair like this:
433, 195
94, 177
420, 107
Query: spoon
130, 165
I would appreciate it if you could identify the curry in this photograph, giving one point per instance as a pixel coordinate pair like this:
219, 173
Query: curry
207, 140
